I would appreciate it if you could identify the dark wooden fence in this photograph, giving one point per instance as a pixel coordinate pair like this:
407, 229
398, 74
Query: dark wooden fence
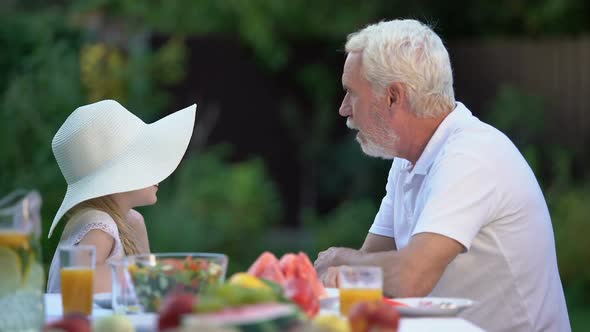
558, 70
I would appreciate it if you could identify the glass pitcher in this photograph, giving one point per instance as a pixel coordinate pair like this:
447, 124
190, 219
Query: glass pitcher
22, 278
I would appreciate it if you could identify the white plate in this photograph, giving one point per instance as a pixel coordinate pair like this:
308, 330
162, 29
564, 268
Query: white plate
432, 306
331, 293
331, 300
103, 300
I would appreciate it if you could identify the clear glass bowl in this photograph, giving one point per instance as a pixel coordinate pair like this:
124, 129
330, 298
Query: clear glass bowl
157, 275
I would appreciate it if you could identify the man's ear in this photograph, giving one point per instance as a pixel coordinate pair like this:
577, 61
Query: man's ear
395, 94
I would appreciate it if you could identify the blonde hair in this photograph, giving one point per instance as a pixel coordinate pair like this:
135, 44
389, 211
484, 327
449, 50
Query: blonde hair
408, 52
108, 205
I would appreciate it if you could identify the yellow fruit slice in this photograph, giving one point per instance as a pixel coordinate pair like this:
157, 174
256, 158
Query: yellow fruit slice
34, 276
132, 268
10, 273
247, 280
331, 323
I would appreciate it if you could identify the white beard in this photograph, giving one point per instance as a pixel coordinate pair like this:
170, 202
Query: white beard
371, 148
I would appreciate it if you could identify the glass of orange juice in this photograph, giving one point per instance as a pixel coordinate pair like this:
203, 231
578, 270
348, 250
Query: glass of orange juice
77, 278
357, 284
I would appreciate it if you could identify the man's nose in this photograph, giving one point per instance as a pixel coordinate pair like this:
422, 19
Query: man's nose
345, 109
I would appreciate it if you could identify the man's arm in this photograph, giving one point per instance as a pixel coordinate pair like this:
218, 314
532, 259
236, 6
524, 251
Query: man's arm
377, 243
410, 272
328, 273
415, 270
373, 243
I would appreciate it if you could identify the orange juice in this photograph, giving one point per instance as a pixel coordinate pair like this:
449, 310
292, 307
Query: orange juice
350, 296
77, 288
15, 240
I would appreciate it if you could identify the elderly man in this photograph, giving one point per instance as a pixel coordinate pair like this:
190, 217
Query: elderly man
463, 214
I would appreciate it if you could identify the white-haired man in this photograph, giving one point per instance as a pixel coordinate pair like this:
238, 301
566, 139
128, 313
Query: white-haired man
463, 215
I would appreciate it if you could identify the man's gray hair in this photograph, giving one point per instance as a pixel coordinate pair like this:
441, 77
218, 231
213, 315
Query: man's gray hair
408, 52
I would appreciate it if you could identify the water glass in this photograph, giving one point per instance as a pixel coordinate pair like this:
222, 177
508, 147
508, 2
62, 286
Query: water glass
123, 297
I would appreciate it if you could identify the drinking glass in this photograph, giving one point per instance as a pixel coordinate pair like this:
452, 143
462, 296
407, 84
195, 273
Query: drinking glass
123, 297
77, 278
357, 284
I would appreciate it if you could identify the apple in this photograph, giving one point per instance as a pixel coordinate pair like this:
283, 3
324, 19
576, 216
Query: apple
373, 316
70, 323
175, 305
114, 323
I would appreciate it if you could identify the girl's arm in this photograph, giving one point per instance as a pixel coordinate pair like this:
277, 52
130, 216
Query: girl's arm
138, 224
104, 244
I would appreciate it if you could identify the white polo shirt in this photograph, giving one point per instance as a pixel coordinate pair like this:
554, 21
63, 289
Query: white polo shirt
472, 184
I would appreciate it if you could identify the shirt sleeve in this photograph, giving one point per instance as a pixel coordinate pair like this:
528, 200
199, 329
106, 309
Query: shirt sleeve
459, 200
383, 223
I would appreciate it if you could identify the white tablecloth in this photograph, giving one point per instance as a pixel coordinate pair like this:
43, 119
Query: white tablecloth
53, 311
147, 322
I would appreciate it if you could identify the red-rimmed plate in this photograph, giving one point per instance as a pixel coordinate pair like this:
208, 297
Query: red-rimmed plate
429, 306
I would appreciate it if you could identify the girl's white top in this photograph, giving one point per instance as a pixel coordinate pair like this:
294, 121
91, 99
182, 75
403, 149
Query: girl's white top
76, 228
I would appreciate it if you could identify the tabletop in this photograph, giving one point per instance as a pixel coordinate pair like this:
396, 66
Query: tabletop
147, 322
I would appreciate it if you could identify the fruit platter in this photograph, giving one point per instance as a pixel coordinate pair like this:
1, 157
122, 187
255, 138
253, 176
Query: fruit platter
272, 295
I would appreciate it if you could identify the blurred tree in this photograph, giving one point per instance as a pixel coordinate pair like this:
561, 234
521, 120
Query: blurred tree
40, 86
211, 205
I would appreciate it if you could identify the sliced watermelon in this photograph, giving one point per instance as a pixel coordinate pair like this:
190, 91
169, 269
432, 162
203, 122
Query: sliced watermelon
301, 292
289, 265
251, 318
311, 275
267, 266
299, 266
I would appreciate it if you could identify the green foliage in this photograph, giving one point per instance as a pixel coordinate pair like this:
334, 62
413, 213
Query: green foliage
345, 226
570, 210
211, 205
268, 27
41, 86
519, 114
347, 173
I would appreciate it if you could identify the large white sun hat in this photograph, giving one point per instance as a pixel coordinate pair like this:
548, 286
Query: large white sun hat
103, 149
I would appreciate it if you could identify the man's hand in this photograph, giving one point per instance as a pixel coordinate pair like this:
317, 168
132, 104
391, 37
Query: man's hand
330, 277
333, 256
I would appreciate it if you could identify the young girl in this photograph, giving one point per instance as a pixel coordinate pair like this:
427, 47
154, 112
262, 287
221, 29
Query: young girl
113, 162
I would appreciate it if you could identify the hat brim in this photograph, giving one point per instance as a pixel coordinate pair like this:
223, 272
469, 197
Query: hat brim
150, 159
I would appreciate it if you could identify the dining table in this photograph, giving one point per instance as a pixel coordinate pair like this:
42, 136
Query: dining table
147, 322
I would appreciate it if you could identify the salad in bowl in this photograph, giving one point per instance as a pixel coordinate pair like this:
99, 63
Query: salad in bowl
154, 276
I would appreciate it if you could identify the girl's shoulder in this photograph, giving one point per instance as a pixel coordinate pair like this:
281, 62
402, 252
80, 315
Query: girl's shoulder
92, 215
88, 219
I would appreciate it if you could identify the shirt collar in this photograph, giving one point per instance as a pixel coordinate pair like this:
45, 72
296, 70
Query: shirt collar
438, 139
